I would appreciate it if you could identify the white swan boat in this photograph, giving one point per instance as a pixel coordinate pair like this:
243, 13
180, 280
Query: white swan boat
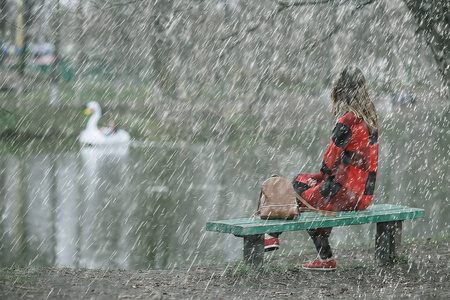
98, 136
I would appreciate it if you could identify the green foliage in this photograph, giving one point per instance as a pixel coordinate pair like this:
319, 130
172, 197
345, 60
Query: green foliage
8, 120
403, 258
357, 267
133, 108
240, 269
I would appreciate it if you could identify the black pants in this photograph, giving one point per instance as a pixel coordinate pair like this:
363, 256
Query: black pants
320, 240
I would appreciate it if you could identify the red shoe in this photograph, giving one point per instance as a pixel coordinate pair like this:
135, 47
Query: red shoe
321, 265
270, 243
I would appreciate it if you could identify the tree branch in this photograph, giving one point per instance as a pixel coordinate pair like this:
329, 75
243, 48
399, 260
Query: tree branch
110, 6
282, 5
5, 111
337, 28
438, 42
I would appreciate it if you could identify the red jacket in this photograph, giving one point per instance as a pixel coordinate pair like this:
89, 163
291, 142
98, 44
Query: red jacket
347, 178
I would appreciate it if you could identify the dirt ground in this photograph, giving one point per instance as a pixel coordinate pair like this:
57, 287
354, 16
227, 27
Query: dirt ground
423, 272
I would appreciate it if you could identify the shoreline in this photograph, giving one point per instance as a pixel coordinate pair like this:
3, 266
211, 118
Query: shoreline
423, 272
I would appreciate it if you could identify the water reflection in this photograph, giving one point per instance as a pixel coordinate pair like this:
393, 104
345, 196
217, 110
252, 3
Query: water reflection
103, 179
146, 207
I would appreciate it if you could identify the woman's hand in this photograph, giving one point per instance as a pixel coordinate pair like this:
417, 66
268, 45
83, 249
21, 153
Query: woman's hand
311, 182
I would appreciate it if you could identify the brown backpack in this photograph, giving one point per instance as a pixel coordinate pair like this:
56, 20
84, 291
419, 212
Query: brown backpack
278, 200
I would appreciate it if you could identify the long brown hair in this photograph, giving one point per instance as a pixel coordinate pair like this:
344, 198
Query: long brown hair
349, 93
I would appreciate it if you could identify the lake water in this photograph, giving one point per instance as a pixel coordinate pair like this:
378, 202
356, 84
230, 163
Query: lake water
146, 206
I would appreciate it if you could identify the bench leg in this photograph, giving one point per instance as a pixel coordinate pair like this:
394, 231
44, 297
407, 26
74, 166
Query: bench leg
254, 250
388, 241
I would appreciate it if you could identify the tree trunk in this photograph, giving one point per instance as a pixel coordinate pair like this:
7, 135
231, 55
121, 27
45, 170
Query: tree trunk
161, 49
54, 84
80, 56
433, 19
20, 39
24, 21
2, 27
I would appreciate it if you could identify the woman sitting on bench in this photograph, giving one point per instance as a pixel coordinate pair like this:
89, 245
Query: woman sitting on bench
347, 177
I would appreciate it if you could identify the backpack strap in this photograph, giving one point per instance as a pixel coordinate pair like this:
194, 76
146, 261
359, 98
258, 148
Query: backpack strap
258, 209
310, 208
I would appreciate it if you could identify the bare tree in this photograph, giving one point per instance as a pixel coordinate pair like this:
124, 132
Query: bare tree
246, 47
432, 16
433, 20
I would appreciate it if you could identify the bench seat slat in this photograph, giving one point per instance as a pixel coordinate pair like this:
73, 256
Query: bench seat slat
373, 214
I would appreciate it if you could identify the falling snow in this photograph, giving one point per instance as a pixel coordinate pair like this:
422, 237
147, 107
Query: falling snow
217, 96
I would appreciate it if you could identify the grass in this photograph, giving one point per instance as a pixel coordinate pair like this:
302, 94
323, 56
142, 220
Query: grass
29, 119
274, 265
241, 270
403, 258
15, 280
14, 276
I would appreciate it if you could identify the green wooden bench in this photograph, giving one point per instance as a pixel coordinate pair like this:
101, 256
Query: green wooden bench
388, 218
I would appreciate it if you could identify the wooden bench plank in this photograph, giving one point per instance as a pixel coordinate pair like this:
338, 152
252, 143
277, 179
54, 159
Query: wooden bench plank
373, 214
388, 218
